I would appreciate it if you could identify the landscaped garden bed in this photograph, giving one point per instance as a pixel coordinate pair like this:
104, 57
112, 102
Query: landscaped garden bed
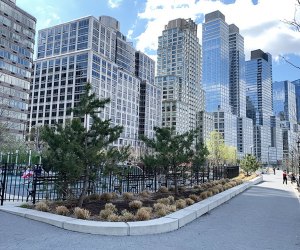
137, 207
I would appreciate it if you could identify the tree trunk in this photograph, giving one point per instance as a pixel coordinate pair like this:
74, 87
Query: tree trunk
84, 189
175, 182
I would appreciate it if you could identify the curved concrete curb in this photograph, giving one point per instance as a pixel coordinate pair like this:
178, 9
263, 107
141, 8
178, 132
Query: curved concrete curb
168, 223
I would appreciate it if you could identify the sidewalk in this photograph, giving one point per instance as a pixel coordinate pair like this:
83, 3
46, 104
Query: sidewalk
266, 216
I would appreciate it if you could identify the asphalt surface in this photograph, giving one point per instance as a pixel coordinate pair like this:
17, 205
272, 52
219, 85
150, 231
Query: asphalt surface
266, 216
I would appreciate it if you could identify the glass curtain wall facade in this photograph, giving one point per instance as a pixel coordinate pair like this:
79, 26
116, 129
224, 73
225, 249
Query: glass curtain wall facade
237, 82
17, 30
259, 104
297, 90
215, 46
284, 101
81, 51
179, 74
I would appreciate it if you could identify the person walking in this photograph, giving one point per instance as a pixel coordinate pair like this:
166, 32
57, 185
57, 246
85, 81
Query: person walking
284, 176
274, 170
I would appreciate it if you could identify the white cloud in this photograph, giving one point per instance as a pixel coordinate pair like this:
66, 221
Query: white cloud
46, 14
129, 34
114, 3
261, 24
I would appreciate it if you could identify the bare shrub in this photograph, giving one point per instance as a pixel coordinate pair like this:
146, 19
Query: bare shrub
105, 213
109, 210
223, 181
172, 208
143, 214
209, 185
62, 210
145, 194
42, 206
114, 195
81, 213
165, 201
162, 212
94, 197
126, 216
227, 186
111, 207
214, 190
203, 195
194, 197
128, 196
135, 204
171, 199
189, 201
239, 181
106, 197
113, 218
158, 206
163, 189
209, 193
180, 203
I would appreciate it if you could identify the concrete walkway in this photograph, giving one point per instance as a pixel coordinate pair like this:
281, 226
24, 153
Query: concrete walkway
266, 216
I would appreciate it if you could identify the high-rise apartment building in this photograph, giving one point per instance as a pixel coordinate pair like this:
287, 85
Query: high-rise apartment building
260, 102
17, 30
179, 74
150, 95
86, 50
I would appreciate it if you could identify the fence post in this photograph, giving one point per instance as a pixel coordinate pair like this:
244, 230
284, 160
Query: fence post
3, 183
33, 191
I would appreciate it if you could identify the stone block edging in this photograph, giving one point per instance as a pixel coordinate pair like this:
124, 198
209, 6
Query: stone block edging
168, 223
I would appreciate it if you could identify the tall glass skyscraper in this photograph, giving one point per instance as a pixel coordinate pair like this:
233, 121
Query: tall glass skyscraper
284, 101
259, 87
297, 91
179, 74
215, 46
17, 30
237, 81
259, 101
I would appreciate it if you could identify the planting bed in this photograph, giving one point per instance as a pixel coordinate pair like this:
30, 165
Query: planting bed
137, 207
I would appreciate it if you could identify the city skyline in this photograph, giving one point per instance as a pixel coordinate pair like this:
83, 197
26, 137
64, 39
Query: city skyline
141, 22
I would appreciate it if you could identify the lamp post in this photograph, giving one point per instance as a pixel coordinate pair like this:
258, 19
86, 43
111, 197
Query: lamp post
292, 153
298, 146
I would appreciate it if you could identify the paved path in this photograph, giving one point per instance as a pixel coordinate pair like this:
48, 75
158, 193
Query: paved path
266, 216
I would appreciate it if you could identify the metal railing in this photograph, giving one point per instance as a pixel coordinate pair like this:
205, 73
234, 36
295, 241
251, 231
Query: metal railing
21, 183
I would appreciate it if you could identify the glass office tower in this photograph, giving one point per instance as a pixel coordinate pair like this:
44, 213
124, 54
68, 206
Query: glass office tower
179, 74
297, 91
284, 101
17, 30
259, 101
237, 81
215, 51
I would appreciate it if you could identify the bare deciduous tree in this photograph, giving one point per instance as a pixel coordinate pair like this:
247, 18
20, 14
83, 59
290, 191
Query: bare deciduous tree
295, 22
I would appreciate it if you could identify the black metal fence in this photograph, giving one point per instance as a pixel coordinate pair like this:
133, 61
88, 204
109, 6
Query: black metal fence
21, 183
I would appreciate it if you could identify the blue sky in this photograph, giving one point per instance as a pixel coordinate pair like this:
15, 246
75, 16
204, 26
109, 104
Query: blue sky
142, 21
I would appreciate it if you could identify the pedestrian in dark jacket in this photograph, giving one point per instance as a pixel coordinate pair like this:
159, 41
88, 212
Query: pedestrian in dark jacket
284, 176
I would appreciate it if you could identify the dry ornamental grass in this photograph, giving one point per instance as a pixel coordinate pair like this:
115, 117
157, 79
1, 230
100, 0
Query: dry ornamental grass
81, 213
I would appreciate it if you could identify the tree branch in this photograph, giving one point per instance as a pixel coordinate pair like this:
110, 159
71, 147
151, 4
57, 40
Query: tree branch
287, 61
